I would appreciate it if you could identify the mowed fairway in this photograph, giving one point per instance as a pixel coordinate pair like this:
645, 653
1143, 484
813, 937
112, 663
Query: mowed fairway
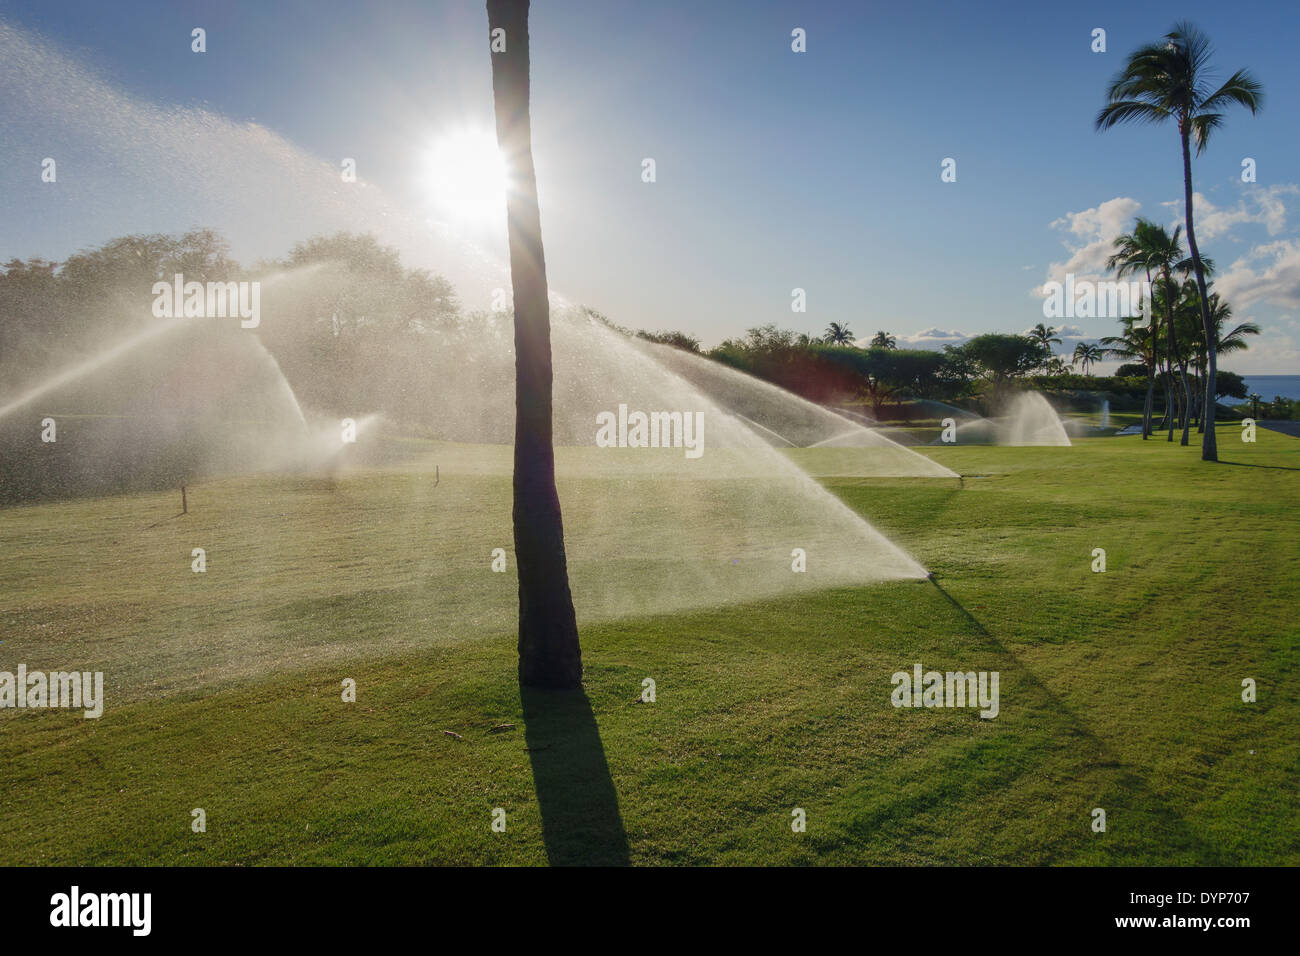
1119, 690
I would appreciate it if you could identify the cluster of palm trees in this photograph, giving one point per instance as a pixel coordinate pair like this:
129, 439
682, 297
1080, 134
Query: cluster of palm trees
1169, 80
837, 334
1171, 339
1086, 354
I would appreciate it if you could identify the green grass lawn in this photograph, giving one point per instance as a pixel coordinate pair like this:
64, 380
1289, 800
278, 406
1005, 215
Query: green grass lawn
1119, 690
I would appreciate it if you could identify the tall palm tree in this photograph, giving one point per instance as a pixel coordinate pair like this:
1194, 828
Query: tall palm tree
883, 340
1224, 342
1233, 340
1169, 81
1044, 335
1137, 342
549, 655
1186, 318
1132, 255
837, 334
1162, 253
1087, 355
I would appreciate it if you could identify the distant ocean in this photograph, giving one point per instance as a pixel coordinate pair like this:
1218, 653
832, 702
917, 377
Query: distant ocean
1268, 387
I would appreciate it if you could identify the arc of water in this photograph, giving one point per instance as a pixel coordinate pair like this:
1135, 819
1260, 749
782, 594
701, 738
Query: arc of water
826, 441
90, 365
155, 331
763, 428
697, 369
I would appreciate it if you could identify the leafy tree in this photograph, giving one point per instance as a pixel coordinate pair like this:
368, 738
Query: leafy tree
1282, 408
201, 255
793, 361
357, 252
32, 325
678, 340
426, 299
884, 373
1001, 358
1231, 385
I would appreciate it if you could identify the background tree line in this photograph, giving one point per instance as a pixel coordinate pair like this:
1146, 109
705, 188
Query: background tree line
976, 374
352, 328
349, 327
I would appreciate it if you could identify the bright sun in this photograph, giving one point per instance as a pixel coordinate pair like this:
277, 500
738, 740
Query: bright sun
466, 177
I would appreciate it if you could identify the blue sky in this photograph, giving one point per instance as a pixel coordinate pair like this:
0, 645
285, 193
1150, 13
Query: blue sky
775, 170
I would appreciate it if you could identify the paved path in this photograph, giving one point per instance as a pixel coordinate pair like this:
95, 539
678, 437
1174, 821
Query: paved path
1285, 427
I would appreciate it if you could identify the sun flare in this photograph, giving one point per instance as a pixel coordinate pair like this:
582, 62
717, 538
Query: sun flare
465, 176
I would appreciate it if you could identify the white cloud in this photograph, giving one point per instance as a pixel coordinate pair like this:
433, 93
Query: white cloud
1275, 351
1268, 273
935, 338
1261, 205
1094, 232
1106, 220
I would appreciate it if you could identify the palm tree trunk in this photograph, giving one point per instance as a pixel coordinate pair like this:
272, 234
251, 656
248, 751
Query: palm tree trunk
1200, 397
1172, 340
1170, 410
1169, 402
1187, 404
1147, 406
1209, 444
549, 655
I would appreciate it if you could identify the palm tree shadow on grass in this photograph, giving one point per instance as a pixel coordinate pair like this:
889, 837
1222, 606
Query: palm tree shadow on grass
1247, 464
581, 824
1128, 780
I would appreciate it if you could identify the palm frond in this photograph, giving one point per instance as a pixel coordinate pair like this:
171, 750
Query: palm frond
1239, 333
1241, 88
1203, 124
1130, 111
1191, 47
